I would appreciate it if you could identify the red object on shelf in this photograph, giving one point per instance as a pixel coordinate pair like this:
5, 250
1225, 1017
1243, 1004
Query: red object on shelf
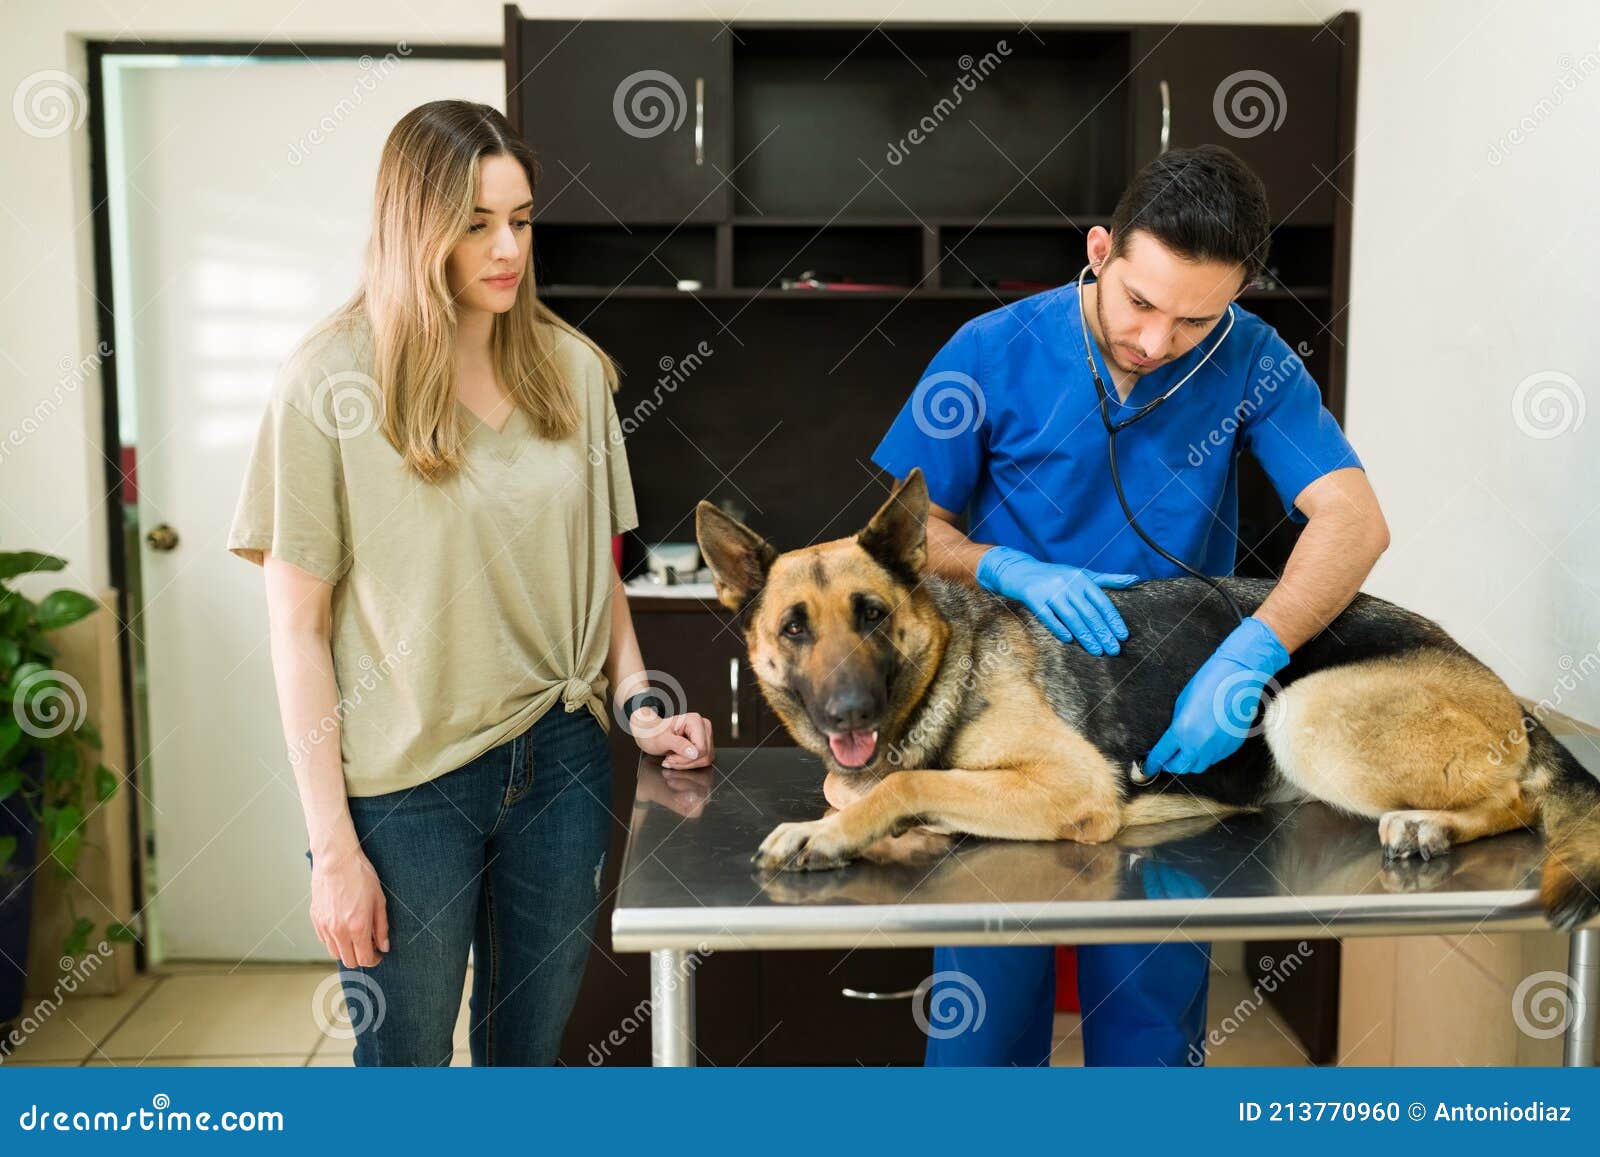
616, 551
1066, 978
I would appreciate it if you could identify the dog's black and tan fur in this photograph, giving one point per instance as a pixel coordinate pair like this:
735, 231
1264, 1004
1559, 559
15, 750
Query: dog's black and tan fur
965, 715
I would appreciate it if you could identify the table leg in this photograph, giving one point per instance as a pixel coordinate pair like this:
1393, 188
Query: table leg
1583, 964
671, 1009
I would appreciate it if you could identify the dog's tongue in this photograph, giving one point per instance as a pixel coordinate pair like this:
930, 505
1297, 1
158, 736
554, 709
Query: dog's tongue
853, 748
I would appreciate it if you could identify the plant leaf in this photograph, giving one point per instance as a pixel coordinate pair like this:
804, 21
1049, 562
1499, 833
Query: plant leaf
10, 732
63, 820
65, 851
62, 762
8, 848
58, 608
90, 734
15, 562
78, 939
119, 933
105, 783
10, 781
10, 654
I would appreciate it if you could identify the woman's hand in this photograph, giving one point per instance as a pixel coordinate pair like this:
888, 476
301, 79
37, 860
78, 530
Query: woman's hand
348, 910
681, 740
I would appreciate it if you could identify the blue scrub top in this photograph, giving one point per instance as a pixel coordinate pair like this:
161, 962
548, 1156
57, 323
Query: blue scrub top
1006, 427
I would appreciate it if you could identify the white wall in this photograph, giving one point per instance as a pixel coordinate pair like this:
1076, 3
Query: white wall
1476, 269
1469, 276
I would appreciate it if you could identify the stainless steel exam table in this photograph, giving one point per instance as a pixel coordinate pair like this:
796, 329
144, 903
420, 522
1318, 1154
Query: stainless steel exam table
1294, 871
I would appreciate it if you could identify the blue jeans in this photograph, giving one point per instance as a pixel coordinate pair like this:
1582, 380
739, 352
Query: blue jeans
504, 855
1143, 1004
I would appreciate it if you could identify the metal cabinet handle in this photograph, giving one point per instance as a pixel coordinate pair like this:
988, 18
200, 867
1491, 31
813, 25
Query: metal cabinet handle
699, 121
859, 994
1166, 115
733, 704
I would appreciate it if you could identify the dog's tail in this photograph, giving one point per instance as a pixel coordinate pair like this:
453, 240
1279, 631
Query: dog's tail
1569, 890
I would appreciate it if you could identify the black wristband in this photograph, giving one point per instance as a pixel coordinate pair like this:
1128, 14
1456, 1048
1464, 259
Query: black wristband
649, 697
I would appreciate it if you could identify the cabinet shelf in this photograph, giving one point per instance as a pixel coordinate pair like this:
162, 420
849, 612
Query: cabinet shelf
968, 293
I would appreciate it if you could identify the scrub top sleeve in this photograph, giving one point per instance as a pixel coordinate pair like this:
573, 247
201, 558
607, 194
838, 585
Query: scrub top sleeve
943, 427
1286, 426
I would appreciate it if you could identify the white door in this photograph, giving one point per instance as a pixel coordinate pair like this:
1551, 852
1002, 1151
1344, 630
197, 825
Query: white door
241, 196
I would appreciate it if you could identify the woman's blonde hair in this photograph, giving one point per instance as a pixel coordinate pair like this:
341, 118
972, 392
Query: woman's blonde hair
427, 186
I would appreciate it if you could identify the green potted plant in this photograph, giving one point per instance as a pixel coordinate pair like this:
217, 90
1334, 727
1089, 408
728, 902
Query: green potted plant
51, 776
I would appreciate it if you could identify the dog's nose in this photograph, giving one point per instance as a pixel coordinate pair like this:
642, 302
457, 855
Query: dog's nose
848, 710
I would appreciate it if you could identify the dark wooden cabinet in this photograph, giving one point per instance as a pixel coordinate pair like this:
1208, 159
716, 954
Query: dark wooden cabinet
631, 119
1271, 94
953, 167
828, 1007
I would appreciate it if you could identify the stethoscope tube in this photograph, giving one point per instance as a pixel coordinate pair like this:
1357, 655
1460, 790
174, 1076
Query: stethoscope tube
1114, 428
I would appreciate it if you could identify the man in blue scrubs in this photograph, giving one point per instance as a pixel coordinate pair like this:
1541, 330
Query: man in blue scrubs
1005, 425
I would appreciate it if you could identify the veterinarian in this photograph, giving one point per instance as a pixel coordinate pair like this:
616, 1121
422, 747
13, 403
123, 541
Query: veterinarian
1005, 425
433, 494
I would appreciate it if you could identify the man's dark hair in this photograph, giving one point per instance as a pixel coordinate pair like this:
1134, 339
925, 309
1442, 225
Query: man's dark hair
1202, 203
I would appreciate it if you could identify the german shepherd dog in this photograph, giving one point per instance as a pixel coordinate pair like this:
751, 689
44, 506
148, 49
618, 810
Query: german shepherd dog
939, 706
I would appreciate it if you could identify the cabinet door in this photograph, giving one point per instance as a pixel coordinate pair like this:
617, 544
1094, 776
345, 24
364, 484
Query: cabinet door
1271, 94
631, 120
829, 1007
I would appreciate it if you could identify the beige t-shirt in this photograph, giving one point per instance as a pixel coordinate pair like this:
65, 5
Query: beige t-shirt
462, 609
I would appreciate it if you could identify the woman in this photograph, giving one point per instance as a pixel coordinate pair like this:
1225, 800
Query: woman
432, 495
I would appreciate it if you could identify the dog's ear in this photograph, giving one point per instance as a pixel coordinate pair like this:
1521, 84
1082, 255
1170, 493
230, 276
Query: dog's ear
739, 558
897, 536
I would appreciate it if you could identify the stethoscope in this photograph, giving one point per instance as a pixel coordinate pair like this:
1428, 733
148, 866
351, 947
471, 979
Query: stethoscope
1114, 428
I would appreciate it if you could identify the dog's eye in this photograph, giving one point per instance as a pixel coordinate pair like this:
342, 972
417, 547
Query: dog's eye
794, 628
872, 613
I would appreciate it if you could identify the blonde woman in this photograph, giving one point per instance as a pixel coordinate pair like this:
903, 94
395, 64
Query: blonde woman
432, 495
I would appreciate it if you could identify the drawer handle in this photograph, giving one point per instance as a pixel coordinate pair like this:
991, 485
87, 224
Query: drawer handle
859, 994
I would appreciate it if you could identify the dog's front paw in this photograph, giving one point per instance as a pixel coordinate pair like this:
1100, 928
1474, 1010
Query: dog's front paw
804, 847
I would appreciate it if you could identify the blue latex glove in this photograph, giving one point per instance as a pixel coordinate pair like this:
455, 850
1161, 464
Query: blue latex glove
1067, 599
1217, 706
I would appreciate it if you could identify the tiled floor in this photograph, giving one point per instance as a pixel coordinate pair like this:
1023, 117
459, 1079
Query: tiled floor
199, 1014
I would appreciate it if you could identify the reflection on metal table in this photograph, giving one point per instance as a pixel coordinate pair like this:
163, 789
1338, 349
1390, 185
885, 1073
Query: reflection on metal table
1291, 871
